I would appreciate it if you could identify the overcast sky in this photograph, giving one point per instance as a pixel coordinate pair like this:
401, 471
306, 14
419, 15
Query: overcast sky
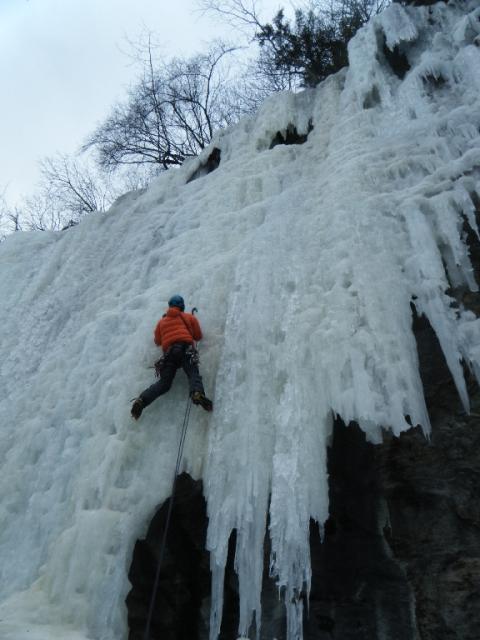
63, 65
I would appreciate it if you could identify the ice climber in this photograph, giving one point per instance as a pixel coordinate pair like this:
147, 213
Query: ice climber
176, 333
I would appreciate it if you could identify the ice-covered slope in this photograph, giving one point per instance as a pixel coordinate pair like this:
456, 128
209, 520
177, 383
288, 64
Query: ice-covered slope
303, 260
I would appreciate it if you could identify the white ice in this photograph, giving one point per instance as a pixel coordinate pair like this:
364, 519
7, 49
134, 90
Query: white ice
303, 261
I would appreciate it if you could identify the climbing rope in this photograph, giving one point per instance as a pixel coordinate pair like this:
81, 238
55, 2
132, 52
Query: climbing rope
186, 418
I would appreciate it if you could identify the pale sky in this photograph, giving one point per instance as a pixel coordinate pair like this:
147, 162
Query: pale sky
62, 69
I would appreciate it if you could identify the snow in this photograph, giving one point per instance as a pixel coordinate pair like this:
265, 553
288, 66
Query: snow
398, 26
303, 261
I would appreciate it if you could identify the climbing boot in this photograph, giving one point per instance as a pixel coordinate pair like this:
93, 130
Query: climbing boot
200, 398
137, 408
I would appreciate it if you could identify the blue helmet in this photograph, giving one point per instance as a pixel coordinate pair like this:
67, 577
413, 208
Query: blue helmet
177, 301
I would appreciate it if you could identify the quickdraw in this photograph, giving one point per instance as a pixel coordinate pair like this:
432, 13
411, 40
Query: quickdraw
158, 366
193, 356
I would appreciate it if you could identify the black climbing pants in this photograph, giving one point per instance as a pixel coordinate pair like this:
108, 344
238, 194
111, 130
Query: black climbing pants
178, 355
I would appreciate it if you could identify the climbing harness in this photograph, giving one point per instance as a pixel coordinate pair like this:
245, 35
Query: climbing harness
191, 354
186, 418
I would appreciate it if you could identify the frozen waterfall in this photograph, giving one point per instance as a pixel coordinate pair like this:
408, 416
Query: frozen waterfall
303, 260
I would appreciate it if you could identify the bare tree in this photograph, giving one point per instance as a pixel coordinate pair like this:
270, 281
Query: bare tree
238, 13
74, 186
170, 114
39, 213
68, 189
10, 217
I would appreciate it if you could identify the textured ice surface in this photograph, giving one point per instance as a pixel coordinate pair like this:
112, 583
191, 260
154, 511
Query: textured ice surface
303, 261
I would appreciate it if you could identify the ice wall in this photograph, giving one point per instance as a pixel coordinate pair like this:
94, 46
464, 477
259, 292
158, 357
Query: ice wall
303, 260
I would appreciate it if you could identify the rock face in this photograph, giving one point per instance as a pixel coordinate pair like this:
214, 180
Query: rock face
431, 490
400, 557
359, 590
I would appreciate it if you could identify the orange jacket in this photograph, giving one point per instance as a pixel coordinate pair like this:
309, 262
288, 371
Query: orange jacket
176, 326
